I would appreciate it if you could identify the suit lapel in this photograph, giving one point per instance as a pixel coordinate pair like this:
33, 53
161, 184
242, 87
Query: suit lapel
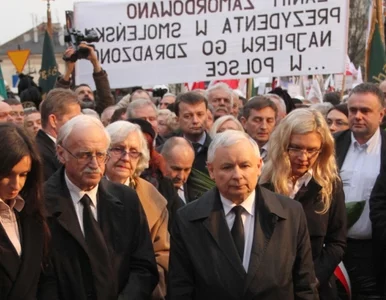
32, 245
383, 147
9, 259
267, 214
110, 217
59, 205
44, 139
216, 224
342, 145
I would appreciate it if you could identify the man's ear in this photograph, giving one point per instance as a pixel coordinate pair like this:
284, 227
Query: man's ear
210, 169
52, 121
60, 154
243, 121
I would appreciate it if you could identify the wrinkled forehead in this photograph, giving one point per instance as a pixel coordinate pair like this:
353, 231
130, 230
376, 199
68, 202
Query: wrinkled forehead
17, 107
82, 89
4, 107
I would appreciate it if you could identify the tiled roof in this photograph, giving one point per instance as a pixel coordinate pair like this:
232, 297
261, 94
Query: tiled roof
26, 40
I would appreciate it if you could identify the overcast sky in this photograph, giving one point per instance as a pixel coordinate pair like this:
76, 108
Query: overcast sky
16, 16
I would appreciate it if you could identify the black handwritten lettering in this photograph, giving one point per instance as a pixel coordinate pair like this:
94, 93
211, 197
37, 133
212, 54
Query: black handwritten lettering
160, 50
125, 50
250, 6
227, 27
203, 31
295, 66
183, 52
297, 16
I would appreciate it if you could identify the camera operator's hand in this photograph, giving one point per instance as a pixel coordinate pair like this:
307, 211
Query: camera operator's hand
92, 57
69, 64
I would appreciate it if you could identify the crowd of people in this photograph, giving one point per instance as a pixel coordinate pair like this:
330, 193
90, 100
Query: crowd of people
200, 195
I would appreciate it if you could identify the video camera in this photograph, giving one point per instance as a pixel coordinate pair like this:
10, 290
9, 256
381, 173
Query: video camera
74, 38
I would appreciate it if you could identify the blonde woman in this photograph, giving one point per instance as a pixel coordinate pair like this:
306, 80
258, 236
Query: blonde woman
301, 165
225, 123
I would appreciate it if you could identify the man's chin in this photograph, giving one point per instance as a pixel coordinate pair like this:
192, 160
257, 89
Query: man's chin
87, 104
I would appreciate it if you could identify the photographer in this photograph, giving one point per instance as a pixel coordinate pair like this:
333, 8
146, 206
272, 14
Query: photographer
104, 97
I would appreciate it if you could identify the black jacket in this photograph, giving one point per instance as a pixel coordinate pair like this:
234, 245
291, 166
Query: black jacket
327, 233
133, 273
47, 151
204, 263
19, 276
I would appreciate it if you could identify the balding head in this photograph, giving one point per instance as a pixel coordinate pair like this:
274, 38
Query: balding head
5, 112
179, 156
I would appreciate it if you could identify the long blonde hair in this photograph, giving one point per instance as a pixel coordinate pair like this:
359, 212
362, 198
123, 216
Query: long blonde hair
277, 169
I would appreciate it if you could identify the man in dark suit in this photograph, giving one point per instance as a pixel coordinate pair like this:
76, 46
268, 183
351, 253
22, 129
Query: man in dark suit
259, 120
179, 157
239, 240
101, 247
360, 153
59, 106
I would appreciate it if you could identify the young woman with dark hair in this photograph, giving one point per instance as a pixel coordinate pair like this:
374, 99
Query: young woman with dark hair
24, 233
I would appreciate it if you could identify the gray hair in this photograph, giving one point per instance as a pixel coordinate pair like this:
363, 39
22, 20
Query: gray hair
229, 138
279, 100
139, 103
119, 131
323, 108
218, 123
164, 112
169, 95
124, 102
219, 86
80, 122
90, 112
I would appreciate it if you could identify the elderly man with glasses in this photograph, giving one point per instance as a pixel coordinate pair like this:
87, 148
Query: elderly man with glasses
101, 247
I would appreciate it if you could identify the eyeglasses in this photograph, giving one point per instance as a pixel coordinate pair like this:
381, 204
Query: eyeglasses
121, 152
84, 157
310, 153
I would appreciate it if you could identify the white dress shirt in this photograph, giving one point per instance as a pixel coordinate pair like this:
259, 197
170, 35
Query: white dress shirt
304, 180
77, 194
9, 222
359, 172
181, 193
201, 141
51, 137
248, 218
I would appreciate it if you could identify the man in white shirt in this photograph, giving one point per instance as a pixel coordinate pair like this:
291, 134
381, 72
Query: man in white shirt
101, 247
239, 240
360, 152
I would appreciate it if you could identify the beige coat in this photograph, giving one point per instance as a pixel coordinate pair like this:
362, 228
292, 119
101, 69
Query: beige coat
154, 205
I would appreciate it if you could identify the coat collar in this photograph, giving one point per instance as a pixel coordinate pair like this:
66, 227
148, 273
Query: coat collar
268, 210
60, 206
43, 139
205, 208
32, 245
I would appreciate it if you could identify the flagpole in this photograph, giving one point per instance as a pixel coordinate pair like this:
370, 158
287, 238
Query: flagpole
249, 88
343, 85
49, 19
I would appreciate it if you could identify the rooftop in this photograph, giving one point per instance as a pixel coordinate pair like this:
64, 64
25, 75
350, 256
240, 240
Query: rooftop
33, 40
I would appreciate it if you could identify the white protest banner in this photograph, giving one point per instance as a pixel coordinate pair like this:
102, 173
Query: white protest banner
174, 41
339, 82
